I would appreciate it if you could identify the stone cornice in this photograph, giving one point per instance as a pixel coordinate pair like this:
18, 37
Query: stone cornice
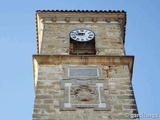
81, 60
81, 17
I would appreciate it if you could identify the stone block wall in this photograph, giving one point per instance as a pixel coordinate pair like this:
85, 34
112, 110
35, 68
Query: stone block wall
48, 93
108, 38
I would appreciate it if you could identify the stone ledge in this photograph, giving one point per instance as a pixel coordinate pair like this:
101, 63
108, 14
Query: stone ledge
84, 59
81, 17
81, 60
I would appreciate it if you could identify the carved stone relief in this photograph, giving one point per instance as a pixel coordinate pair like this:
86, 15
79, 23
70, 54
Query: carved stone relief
83, 93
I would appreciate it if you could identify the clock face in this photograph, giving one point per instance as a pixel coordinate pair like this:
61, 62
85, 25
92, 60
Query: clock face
82, 35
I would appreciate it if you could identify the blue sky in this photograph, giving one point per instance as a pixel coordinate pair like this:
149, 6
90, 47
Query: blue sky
18, 43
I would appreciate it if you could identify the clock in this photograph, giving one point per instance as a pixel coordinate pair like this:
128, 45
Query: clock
82, 35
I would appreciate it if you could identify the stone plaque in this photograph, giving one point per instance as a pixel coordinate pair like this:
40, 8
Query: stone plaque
83, 72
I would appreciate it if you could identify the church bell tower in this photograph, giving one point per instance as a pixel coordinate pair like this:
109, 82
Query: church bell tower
81, 71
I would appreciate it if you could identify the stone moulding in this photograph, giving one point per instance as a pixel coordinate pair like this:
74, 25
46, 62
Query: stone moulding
88, 95
80, 60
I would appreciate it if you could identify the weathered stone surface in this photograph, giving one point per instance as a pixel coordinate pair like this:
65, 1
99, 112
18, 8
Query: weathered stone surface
56, 38
119, 93
112, 89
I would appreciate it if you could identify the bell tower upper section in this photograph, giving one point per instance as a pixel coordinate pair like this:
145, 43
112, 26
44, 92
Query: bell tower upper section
81, 71
81, 32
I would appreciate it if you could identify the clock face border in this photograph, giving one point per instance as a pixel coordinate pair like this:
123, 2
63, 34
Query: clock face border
90, 35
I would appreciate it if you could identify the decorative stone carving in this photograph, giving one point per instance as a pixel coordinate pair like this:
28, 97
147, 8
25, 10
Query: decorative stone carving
83, 93
94, 19
67, 19
54, 19
81, 19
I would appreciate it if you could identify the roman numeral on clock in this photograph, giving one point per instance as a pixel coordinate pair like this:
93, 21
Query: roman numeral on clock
82, 35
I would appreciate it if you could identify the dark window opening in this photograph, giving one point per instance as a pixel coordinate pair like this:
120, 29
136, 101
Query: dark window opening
82, 48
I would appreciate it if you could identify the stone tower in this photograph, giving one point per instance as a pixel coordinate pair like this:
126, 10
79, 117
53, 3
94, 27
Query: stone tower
81, 71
